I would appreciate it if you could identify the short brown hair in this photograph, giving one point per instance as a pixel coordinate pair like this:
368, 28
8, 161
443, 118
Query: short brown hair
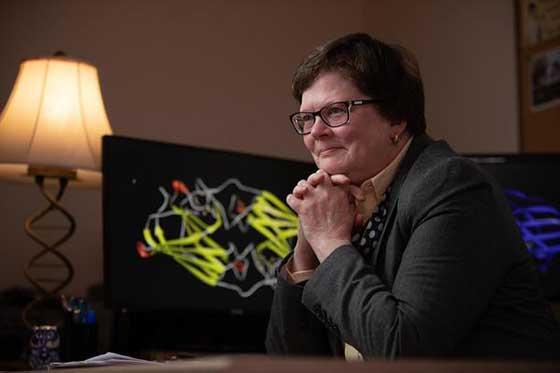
378, 70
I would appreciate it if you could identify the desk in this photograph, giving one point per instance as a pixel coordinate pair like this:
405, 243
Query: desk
266, 364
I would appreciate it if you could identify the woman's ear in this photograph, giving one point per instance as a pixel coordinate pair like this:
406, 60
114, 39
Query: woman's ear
397, 131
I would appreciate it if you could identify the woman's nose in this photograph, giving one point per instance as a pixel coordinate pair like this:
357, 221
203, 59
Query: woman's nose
319, 127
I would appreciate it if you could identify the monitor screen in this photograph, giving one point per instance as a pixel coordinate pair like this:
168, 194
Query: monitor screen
194, 230
199, 233
531, 184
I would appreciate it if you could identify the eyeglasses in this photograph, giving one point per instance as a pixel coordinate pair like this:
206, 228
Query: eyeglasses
333, 115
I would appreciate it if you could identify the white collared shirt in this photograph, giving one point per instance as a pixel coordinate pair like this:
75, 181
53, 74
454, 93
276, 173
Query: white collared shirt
375, 187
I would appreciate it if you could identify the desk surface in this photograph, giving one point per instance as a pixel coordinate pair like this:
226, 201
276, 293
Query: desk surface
260, 364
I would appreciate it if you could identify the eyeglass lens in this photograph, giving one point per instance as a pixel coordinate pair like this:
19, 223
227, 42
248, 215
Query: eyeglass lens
333, 115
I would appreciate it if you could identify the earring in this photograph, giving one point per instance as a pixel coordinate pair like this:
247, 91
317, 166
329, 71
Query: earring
395, 139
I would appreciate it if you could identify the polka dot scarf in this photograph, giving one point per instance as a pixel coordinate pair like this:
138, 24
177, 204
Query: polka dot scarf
367, 240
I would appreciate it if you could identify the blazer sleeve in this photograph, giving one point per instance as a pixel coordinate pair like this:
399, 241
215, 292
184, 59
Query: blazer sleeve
292, 329
457, 246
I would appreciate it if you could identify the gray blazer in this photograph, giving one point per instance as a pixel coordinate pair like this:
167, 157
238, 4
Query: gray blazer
450, 276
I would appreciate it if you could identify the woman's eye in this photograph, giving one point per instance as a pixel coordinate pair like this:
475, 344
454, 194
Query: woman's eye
335, 110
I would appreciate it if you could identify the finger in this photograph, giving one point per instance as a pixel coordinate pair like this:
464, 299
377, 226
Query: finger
340, 179
300, 191
301, 188
356, 192
305, 183
322, 172
325, 177
293, 202
316, 178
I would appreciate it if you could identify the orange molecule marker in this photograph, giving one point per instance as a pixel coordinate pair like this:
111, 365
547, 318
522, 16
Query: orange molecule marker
179, 186
141, 250
240, 206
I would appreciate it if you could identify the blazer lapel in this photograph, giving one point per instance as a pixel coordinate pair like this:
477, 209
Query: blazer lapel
419, 143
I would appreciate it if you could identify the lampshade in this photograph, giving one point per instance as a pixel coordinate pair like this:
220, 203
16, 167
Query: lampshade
54, 119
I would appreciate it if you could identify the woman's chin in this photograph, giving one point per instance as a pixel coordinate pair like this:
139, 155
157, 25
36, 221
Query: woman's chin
331, 168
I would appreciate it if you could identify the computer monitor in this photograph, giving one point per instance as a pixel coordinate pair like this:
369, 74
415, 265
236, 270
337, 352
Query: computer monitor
531, 182
193, 236
197, 233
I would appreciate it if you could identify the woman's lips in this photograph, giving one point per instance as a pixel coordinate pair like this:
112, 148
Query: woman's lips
329, 151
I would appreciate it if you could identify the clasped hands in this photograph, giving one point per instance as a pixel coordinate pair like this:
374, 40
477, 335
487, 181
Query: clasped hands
326, 207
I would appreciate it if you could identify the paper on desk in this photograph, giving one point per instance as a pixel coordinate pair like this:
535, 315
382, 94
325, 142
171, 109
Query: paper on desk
110, 358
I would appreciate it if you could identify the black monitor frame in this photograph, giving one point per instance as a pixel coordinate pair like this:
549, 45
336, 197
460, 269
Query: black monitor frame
542, 167
531, 183
168, 297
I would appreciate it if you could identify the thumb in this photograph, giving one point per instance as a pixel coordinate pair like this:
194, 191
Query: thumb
340, 179
356, 192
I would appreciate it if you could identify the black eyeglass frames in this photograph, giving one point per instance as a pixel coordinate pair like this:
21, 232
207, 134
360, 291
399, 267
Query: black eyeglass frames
333, 115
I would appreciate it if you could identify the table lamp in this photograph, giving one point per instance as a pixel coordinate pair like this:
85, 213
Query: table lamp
50, 133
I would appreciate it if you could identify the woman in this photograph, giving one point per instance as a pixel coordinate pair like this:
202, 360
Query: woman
404, 248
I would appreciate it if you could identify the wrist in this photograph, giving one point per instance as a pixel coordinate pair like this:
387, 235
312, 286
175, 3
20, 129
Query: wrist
296, 276
304, 258
327, 247
303, 263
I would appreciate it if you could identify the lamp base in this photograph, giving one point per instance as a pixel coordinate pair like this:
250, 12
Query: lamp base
61, 272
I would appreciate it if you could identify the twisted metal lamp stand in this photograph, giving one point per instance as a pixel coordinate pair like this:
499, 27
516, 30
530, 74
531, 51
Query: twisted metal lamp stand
62, 270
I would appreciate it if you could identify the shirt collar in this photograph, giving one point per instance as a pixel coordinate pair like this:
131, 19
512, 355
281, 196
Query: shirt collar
379, 183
